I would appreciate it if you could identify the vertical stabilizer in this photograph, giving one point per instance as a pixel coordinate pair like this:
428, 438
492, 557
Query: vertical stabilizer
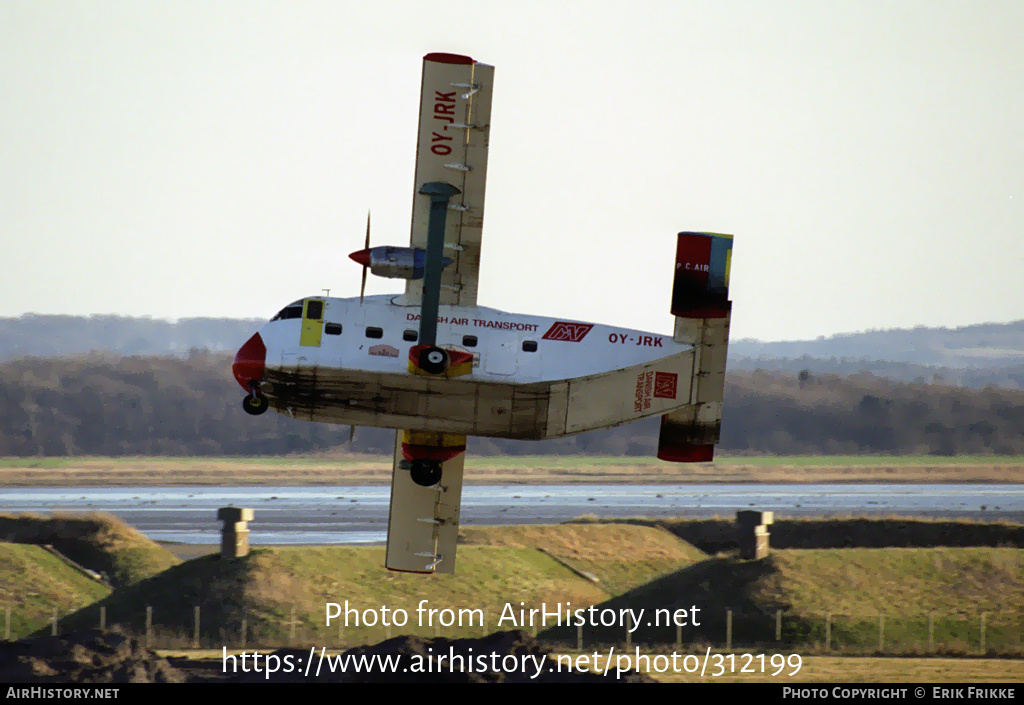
700, 303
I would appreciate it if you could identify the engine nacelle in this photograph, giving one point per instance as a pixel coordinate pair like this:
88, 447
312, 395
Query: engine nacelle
395, 262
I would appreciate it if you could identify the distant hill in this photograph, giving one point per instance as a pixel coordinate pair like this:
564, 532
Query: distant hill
971, 356
985, 345
1009, 376
36, 335
982, 345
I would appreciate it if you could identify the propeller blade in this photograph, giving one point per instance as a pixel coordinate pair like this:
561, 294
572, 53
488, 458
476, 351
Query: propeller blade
366, 246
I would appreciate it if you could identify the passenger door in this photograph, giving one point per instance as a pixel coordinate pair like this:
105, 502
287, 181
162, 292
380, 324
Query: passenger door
312, 323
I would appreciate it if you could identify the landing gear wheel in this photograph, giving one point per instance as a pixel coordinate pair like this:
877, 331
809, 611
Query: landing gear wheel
426, 473
255, 404
434, 360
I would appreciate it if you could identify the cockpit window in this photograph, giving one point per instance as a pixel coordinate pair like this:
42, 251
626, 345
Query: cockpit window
290, 311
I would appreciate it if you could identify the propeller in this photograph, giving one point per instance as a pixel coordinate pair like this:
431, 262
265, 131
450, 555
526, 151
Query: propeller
366, 246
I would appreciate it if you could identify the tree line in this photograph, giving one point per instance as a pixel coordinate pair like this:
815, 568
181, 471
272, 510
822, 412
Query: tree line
102, 404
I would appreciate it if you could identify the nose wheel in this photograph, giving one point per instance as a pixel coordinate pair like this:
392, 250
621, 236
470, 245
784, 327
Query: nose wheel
255, 403
425, 473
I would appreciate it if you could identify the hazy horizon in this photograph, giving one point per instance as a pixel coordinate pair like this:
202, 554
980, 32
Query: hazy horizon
733, 339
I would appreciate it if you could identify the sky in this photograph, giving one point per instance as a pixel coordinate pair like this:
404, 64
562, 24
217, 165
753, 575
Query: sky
181, 159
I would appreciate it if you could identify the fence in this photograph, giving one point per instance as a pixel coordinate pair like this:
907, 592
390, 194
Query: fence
933, 633
826, 632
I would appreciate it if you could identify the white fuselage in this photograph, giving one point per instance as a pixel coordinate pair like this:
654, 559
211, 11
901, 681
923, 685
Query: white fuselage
582, 348
532, 377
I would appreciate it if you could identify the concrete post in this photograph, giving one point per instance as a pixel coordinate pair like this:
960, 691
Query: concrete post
234, 538
753, 530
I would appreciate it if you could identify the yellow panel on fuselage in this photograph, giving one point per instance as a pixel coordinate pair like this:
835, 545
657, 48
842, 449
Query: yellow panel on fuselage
312, 323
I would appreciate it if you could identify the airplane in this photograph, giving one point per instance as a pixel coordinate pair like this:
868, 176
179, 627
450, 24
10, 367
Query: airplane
438, 367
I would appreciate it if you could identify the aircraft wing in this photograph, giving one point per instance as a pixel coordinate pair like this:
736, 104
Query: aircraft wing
454, 128
423, 522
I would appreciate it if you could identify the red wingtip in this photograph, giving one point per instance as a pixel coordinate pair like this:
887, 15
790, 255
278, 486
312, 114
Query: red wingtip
442, 58
361, 256
687, 452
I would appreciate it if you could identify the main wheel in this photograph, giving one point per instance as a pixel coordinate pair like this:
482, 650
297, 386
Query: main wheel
426, 473
434, 360
255, 404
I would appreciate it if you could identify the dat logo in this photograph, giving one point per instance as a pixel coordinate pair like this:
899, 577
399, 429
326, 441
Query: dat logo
665, 384
572, 332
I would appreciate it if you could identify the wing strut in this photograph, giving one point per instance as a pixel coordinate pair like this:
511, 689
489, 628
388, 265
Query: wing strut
440, 193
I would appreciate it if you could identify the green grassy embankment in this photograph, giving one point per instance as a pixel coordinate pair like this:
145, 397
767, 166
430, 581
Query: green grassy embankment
33, 582
716, 534
618, 556
845, 599
96, 541
498, 566
281, 593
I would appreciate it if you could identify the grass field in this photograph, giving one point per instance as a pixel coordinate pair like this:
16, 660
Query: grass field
341, 469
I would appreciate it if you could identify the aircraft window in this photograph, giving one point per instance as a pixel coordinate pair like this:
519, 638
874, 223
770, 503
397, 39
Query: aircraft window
332, 329
410, 335
293, 311
374, 332
315, 310
529, 346
469, 341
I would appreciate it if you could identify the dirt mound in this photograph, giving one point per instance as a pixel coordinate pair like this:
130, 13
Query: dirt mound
113, 657
503, 657
84, 657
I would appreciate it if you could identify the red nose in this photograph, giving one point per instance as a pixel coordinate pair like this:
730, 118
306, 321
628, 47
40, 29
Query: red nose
249, 361
361, 256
